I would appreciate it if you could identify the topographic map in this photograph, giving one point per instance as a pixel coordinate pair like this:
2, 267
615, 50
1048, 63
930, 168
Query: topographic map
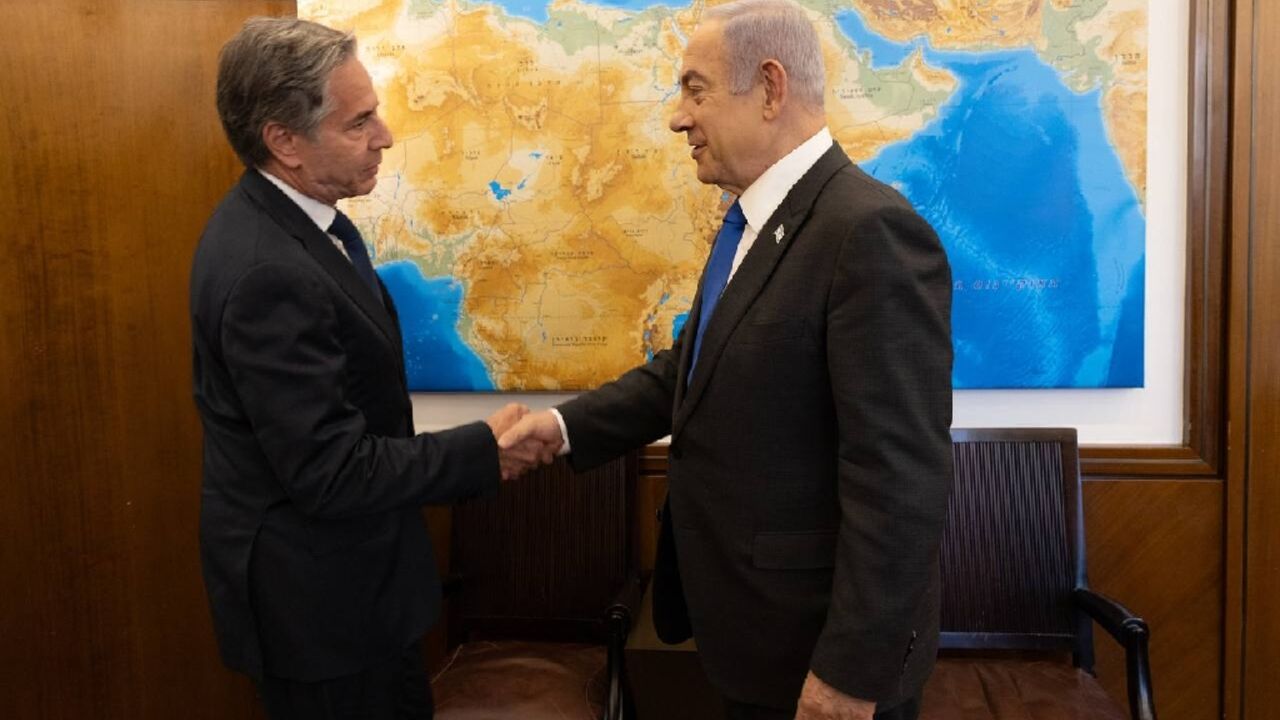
541, 229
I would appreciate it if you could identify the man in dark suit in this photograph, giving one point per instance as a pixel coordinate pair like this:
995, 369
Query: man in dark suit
319, 570
808, 400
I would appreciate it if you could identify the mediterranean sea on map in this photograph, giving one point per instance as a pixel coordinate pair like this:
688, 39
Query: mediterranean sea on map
536, 10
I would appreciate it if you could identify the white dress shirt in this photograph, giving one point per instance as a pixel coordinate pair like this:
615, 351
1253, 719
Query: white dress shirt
770, 189
320, 213
758, 202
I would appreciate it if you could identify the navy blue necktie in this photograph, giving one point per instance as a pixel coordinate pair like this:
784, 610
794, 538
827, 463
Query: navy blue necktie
717, 274
343, 229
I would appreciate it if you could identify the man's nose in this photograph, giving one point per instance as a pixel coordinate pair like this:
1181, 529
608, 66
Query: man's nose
680, 121
382, 136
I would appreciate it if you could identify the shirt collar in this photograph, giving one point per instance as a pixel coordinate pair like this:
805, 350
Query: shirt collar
320, 213
771, 188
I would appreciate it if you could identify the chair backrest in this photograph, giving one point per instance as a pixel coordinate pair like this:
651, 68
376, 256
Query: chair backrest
1013, 547
544, 558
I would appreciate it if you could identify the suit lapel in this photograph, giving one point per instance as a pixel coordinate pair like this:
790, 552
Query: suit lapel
294, 221
388, 305
749, 280
686, 344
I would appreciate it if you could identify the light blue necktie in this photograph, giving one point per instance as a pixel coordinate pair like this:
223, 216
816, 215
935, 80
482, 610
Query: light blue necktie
717, 273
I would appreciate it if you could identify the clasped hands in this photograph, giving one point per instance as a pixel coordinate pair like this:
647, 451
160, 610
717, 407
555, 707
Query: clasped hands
525, 439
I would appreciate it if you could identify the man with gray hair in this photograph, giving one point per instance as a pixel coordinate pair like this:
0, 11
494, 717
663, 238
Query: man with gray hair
319, 570
808, 400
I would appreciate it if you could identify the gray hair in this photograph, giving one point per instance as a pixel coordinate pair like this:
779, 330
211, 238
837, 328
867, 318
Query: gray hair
758, 30
277, 70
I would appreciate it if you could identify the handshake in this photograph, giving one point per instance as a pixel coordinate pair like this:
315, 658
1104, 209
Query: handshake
525, 439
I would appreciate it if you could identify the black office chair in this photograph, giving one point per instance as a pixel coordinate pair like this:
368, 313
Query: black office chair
1017, 611
543, 583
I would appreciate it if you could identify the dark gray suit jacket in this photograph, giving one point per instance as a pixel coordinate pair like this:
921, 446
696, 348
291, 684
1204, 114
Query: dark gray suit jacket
315, 556
810, 457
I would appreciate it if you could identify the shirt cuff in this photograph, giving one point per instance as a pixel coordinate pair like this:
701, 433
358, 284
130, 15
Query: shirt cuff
564, 432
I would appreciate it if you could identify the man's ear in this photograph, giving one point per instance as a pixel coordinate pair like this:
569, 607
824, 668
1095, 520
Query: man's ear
774, 77
283, 144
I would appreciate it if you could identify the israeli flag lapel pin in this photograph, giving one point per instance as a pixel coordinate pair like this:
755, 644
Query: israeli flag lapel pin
777, 235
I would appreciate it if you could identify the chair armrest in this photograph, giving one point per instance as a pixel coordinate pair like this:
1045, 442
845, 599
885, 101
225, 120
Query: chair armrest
617, 621
1133, 635
624, 607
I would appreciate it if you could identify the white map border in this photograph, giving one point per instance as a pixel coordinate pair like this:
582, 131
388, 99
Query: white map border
1151, 415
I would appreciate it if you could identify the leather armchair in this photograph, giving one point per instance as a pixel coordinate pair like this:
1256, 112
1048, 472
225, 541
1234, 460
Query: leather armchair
1017, 610
541, 597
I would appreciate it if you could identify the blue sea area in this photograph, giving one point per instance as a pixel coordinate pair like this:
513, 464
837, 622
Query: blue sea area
884, 52
1045, 234
435, 356
633, 5
678, 324
536, 10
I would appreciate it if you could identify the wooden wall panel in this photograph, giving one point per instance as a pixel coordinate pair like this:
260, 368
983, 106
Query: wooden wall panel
651, 492
112, 161
1237, 364
1257, 239
1156, 546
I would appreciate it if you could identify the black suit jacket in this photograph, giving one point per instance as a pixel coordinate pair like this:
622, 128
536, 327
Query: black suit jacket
315, 556
810, 458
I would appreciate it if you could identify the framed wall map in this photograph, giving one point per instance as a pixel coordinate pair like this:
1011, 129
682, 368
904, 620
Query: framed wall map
542, 229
